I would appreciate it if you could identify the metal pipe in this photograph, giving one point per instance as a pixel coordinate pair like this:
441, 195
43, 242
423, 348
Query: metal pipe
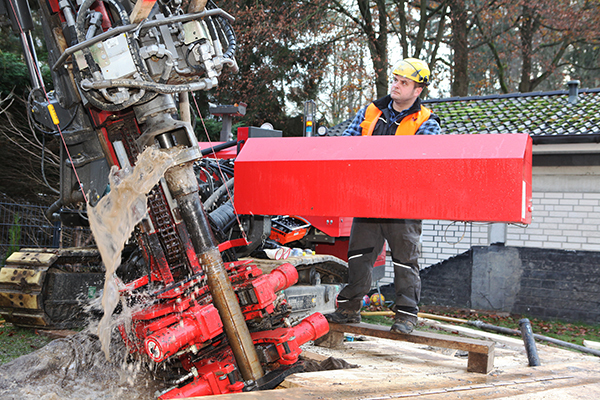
184, 188
219, 147
567, 344
529, 341
536, 336
184, 107
573, 91
133, 27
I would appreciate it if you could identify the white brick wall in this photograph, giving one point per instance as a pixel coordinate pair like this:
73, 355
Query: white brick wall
442, 240
568, 220
566, 215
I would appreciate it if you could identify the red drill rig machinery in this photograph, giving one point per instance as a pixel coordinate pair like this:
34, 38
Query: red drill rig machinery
118, 69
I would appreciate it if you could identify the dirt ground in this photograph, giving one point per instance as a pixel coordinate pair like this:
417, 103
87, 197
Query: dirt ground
74, 368
389, 369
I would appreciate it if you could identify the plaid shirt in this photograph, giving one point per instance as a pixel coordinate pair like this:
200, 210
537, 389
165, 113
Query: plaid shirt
429, 127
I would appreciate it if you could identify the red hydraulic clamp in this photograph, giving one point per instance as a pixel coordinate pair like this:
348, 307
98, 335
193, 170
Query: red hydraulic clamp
287, 341
259, 294
196, 325
214, 378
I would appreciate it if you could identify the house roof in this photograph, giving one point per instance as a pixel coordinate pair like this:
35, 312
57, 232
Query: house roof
548, 117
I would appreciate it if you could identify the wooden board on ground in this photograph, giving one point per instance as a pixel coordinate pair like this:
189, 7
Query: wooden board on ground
481, 352
573, 381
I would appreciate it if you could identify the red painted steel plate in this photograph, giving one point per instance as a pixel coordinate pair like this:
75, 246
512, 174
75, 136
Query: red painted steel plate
333, 226
448, 177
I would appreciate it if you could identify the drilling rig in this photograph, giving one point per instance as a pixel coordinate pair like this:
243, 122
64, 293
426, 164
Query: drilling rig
122, 72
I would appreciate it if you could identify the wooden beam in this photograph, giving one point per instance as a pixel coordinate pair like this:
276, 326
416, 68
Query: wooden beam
141, 10
481, 353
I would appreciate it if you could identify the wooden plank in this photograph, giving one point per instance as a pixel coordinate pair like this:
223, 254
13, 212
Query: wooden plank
591, 344
331, 340
481, 353
571, 381
141, 10
480, 362
427, 338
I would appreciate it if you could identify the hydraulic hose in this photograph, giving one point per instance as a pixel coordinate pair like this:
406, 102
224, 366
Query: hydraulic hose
204, 84
223, 215
227, 32
230, 36
210, 202
93, 98
134, 27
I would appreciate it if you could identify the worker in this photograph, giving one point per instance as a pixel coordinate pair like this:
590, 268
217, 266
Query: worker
399, 113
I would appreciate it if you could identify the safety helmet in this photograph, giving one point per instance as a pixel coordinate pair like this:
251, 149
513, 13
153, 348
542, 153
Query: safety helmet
413, 69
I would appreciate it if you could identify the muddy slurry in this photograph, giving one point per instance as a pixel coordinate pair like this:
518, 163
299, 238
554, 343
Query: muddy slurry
113, 219
94, 364
75, 368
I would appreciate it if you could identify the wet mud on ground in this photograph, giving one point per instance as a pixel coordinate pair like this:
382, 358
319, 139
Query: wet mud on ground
76, 368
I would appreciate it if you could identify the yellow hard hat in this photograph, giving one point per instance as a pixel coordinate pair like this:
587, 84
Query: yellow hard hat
413, 69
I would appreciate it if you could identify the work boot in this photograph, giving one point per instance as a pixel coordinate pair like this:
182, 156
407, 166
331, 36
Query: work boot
344, 317
403, 326
404, 322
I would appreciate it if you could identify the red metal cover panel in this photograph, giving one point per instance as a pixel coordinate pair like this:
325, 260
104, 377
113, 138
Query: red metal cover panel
449, 177
333, 226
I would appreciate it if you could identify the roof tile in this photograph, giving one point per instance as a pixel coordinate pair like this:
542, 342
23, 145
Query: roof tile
541, 114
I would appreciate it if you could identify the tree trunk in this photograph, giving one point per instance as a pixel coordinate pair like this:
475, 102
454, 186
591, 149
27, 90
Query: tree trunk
377, 42
460, 48
401, 7
527, 31
420, 39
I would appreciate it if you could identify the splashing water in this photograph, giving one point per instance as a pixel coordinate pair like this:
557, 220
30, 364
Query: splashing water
113, 219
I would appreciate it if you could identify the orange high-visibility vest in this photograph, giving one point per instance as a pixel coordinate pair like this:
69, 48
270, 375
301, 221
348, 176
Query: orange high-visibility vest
408, 126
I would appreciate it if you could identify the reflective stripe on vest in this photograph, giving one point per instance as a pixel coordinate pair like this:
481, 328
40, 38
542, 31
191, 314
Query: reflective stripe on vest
408, 126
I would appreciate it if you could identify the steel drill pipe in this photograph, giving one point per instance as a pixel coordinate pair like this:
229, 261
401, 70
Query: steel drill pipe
184, 187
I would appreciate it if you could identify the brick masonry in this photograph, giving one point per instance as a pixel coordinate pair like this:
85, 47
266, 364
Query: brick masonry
448, 284
567, 221
539, 283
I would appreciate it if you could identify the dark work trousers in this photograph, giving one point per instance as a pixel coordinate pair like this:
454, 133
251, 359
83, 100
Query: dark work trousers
367, 238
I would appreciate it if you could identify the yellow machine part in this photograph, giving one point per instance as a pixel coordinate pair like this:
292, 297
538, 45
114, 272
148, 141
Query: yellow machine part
21, 283
28, 285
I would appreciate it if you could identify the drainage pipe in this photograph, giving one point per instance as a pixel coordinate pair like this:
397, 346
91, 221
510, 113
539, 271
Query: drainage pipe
529, 341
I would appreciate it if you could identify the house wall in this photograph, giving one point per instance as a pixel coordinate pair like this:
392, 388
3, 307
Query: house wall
566, 210
539, 283
565, 216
